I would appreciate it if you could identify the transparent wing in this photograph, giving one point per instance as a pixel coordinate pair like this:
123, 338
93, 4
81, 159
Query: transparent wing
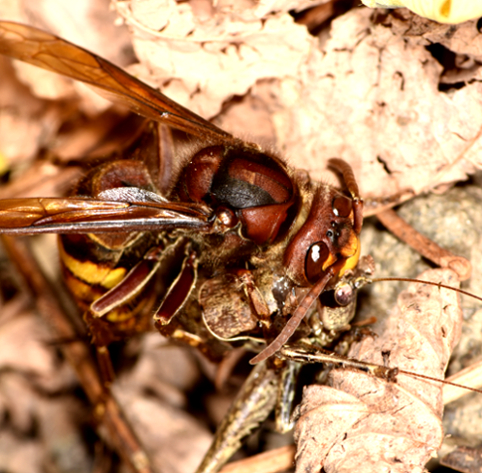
55, 54
74, 215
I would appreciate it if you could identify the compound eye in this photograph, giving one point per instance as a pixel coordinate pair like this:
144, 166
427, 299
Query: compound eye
342, 206
316, 258
344, 294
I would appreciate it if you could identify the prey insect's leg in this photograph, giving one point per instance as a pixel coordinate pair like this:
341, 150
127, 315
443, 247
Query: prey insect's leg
286, 397
295, 319
252, 405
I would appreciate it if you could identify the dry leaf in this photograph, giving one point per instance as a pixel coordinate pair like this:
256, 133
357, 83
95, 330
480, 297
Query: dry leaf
33, 386
58, 420
367, 424
19, 455
23, 115
23, 346
175, 441
203, 63
165, 370
70, 21
371, 96
368, 92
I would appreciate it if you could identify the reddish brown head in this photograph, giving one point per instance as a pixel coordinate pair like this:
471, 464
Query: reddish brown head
326, 245
327, 238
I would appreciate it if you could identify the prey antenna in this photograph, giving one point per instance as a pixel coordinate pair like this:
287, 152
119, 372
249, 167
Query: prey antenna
310, 354
421, 281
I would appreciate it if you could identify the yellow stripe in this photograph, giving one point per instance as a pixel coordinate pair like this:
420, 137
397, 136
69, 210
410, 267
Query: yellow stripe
352, 261
90, 272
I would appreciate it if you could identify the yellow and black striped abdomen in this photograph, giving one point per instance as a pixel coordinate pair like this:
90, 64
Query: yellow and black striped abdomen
93, 265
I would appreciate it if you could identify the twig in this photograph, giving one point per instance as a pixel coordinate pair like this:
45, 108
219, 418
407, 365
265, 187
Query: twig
424, 245
470, 376
273, 461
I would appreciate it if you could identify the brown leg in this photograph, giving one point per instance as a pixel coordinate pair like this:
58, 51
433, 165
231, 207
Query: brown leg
105, 365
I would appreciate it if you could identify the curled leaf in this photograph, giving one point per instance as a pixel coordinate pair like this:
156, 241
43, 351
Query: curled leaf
365, 423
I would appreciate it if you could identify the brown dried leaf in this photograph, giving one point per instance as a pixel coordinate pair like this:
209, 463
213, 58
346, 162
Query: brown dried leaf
40, 179
28, 363
462, 39
23, 346
23, 115
174, 440
70, 21
366, 93
18, 401
371, 96
203, 62
366, 424
22, 456
166, 370
58, 419
34, 380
